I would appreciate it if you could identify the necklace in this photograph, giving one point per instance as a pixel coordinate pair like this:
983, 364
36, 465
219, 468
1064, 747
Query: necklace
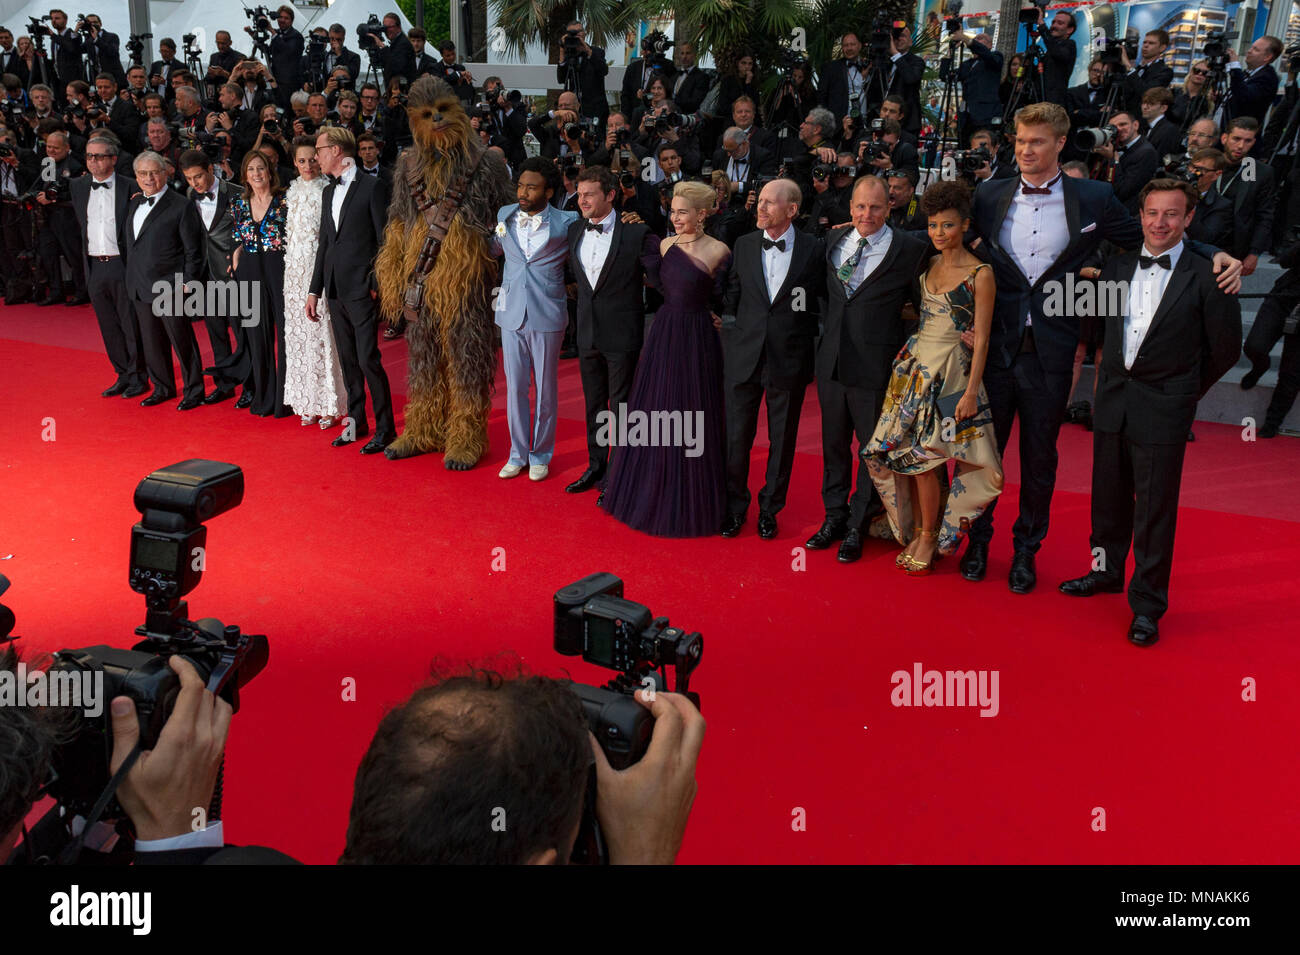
694, 240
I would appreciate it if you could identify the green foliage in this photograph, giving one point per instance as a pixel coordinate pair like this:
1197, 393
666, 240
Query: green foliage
437, 20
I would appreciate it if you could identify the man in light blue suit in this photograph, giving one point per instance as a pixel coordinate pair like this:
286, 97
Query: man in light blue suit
531, 312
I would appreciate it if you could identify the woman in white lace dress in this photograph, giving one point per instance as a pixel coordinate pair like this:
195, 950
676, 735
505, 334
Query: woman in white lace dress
313, 384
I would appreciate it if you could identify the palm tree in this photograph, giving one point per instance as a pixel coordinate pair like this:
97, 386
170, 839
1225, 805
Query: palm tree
522, 22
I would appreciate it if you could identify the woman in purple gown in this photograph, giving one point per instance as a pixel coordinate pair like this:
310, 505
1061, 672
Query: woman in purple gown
668, 475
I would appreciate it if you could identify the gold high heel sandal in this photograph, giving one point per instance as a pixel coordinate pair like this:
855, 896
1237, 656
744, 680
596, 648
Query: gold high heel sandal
902, 557
915, 568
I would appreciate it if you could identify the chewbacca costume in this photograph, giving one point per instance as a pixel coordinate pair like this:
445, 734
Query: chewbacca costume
451, 354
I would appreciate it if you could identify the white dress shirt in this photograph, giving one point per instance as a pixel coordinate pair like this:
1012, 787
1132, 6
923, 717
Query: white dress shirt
145, 208
1035, 231
8, 180
208, 207
681, 78
776, 262
1148, 288
341, 190
594, 247
101, 219
873, 254
529, 230
738, 167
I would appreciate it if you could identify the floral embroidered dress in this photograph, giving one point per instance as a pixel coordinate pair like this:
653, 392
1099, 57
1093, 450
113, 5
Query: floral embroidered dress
313, 383
918, 430
261, 260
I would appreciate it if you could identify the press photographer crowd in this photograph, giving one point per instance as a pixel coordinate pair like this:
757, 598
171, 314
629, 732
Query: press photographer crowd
933, 245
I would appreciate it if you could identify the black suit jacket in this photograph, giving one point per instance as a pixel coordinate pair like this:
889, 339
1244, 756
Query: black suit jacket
164, 69
862, 333
225, 61
1193, 339
611, 316
286, 48
1166, 137
694, 87
592, 71
1250, 95
124, 120
398, 58
1213, 222
1254, 205
1136, 167
1147, 77
633, 81
906, 83
1057, 67
67, 58
781, 331
123, 189
11, 62
171, 241
980, 76
349, 59
221, 234
1185, 106
1084, 105
345, 257
833, 88
762, 164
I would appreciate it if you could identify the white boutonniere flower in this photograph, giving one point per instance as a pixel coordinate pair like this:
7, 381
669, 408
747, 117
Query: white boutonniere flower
501, 229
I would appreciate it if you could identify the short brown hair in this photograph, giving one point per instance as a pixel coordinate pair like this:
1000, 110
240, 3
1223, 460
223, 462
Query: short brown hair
1170, 185
600, 174
945, 195
1158, 96
1212, 156
1161, 36
1249, 123
1045, 114
195, 159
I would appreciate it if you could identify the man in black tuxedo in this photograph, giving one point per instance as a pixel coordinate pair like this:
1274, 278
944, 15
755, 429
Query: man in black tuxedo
10, 61
455, 74
843, 81
1084, 102
870, 273
67, 52
212, 198
979, 76
769, 324
99, 202
1251, 89
393, 52
1154, 73
1164, 136
1033, 238
1274, 321
1058, 64
221, 64
58, 233
902, 74
1213, 222
368, 160
353, 215
1135, 159
612, 261
123, 118
339, 55
742, 161
160, 73
742, 117
285, 55
1251, 187
1174, 337
691, 84
589, 68
163, 237
426, 64
102, 49
637, 76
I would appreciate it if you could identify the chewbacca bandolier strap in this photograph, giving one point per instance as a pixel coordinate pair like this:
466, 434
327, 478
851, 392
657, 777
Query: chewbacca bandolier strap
439, 219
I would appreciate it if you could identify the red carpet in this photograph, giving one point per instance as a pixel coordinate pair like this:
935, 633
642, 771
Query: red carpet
359, 567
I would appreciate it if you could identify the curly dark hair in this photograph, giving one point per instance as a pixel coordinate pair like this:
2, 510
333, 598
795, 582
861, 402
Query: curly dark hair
29, 735
945, 195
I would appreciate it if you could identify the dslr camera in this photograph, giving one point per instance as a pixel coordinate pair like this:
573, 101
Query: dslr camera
1094, 138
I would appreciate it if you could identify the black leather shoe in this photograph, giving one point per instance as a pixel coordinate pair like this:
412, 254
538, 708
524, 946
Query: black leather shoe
590, 478
1143, 631
766, 526
1022, 578
1267, 431
79, 300
975, 562
1251, 378
343, 439
732, 525
1092, 583
189, 404
569, 353
830, 532
219, 395
245, 400
135, 391
376, 445
155, 399
113, 392
851, 548
50, 300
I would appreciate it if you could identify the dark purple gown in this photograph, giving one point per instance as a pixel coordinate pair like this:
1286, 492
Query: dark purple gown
657, 484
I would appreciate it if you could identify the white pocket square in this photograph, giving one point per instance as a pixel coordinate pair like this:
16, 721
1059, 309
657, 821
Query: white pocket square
1088, 228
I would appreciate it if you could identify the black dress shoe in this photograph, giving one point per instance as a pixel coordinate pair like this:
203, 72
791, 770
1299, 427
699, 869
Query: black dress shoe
1251, 378
155, 399
1143, 631
590, 478
975, 562
343, 439
245, 400
732, 525
135, 391
1092, 583
376, 444
1267, 431
851, 548
50, 300
219, 395
830, 532
1022, 578
189, 404
766, 526
79, 300
113, 392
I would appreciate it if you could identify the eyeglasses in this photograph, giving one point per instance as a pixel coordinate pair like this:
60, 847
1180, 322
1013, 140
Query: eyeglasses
1200, 171
1199, 72
100, 156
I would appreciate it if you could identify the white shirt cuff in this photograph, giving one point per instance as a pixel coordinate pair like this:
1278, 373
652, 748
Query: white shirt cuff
204, 838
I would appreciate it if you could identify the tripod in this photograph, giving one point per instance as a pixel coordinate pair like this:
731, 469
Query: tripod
938, 139
1028, 87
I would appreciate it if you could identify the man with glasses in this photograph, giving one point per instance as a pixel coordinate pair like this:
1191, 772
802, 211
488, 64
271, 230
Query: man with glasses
1160, 133
1212, 222
99, 202
744, 163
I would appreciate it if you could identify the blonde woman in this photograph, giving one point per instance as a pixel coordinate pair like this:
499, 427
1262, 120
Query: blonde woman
675, 486
313, 384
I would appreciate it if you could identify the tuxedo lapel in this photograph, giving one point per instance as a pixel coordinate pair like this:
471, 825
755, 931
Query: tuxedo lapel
348, 199
798, 261
223, 202
615, 241
755, 266
1003, 205
1178, 283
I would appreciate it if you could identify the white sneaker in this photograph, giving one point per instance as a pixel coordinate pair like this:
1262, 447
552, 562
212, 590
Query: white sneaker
538, 472
511, 470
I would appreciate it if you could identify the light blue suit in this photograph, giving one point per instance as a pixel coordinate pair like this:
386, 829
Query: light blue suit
531, 311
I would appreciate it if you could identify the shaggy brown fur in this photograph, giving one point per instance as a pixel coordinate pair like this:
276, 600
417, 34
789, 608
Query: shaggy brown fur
452, 359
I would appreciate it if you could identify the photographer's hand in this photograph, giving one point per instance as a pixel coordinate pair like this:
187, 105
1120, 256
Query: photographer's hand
643, 809
177, 776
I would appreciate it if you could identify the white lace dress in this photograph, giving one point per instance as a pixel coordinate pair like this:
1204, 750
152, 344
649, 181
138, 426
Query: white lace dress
313, 382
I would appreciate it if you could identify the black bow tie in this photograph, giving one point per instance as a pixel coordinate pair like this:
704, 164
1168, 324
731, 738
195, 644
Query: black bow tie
1147, 261
210, 196
335, 180
594, 227
148, 200
107, 183
779, 244
372, 172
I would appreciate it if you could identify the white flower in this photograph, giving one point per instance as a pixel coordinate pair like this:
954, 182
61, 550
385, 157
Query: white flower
501, 229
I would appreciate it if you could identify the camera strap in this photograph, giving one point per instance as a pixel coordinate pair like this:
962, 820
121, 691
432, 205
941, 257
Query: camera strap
72, 851
439, 217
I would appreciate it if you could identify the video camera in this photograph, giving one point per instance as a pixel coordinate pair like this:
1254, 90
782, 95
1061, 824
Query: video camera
166, 563
824, 170
1178, 166
1216, 49
1108, 50
82, 25
953, 21
594, 621
135, 47
36, 26
366, 33
571, 45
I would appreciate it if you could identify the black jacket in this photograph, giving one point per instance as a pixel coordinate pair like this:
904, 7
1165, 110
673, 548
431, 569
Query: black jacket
1185, 106
171, 242
220, 235
1136, 167
611, 316
980, 76
67, 59
225, 61
1193, 339
1250, 95
1148, 76
591, 71
1254, 203
761, 163
633, 81
1213, 223
1166, 137
349, 59
863, 333
781, 331
286, 59
397, 58
345, 257
688, 90
1057, 67
107, 50
123, 189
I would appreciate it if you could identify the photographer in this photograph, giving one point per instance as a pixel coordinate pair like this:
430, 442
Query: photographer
891, 107
240, 125
103, 49
650, 64
691, 84
162, 140
369, 150
257, 83
885, 150
506, 119
1253, 193
669, 128
742, 82
904, 203
348, 111
123, 119
339, 56
458, 745
1251, 89
843, 81
833, 191
395, 56
285, 53
995, 168
558, 130
222, 63
583, 69
137, 86
1134, 159
11, 61
458, 78
59, 235
1275, 320
1058, 65
1163, 135
1154, 73
190, 114
1212, 222
19, 169
903, 73
160, 72
425, 65
67, 49
743, 164
154, 108
979, 77
1195, 98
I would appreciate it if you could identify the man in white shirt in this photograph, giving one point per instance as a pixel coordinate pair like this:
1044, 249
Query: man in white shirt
1174, 337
